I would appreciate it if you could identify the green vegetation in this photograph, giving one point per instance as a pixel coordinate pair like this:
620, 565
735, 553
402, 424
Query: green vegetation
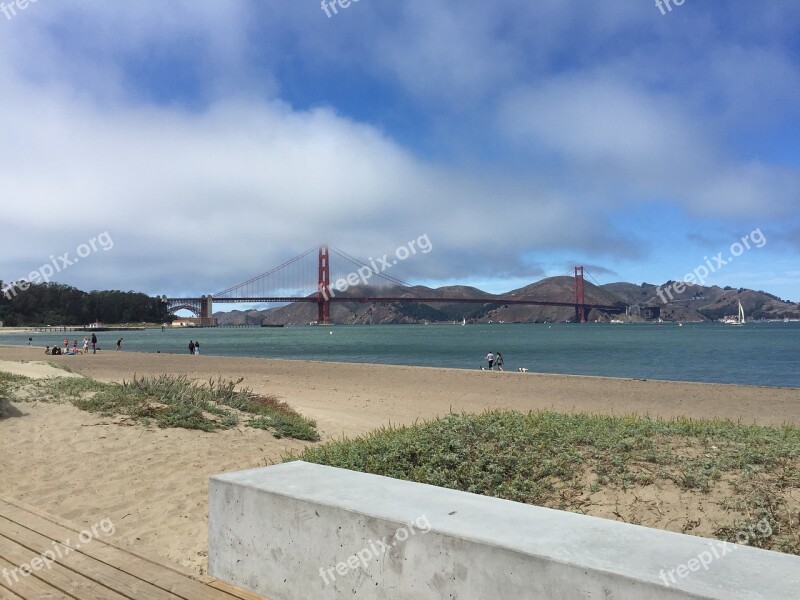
169, 401
553, 459
8, 381
56, 304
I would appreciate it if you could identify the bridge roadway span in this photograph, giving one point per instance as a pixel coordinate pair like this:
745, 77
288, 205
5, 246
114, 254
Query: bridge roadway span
313, 299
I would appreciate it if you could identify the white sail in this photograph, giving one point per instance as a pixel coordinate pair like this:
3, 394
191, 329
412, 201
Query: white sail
738, 319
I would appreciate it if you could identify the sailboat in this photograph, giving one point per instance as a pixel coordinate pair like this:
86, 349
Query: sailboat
464, 321
738, 319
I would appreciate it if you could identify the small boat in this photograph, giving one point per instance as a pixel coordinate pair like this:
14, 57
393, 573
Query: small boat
738, 319
464, 321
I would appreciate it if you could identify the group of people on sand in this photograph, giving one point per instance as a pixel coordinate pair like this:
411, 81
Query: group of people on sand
194, 348
495, 359
56, 350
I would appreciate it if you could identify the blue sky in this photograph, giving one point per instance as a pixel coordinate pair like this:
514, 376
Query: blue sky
214, 140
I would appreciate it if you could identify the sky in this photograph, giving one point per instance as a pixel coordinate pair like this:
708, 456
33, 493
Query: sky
200, 143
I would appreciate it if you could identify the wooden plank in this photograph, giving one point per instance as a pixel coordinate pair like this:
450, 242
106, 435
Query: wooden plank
167, 577
96, 571
180, 585
8, 595
27, 588
46, 522
70, 583
237, 592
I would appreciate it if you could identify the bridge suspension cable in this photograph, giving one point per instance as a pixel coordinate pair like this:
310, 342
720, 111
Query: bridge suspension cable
360, 264
597, 283
270, 272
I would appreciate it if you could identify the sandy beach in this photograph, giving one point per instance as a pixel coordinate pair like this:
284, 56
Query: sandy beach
153, 482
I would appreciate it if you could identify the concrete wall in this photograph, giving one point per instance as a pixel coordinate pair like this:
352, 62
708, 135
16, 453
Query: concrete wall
300, 531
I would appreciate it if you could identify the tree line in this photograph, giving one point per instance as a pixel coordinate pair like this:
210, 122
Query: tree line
57, 304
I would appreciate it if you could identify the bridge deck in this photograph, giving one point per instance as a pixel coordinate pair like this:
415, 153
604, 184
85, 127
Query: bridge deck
408, 299
98, 570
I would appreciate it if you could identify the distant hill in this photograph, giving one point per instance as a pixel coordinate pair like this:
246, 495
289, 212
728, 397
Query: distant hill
695, 303
704, 303
57, 304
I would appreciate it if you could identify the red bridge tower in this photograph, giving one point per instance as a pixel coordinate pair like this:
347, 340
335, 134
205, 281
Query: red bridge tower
580, 298
323, 288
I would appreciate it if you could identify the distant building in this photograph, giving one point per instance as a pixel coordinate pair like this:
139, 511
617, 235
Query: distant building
186, 322
195, 322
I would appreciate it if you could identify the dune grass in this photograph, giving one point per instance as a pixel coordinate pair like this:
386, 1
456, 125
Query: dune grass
171, 401
548, 459
8, 382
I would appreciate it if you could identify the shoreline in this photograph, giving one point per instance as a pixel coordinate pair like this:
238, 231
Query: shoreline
311, 362
340, 395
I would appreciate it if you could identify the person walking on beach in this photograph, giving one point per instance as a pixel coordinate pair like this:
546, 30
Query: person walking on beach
499, 362
119, 344
197, 348
85, 345
94, 344
30, 341
191, 347
66, 343
490, 360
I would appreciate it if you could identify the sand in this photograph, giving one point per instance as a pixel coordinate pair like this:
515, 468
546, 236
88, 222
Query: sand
152, 483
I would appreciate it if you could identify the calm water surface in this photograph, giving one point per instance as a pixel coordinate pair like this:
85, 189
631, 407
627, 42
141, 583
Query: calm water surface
758, 353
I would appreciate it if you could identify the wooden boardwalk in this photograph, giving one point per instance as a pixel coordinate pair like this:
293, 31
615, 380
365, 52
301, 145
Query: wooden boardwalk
98, 570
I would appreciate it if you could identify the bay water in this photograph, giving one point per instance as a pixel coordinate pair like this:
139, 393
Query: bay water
756, 353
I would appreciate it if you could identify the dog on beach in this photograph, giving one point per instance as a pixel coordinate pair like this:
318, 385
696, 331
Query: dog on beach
522, 370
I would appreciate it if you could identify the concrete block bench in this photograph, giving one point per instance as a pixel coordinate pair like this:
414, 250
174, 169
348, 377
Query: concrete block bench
300, 531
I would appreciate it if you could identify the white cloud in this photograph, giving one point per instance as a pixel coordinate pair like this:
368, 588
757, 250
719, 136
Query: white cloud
630, 144
216, 176
220, 195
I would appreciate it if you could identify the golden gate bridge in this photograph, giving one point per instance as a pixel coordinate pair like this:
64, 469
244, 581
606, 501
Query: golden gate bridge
302, 279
